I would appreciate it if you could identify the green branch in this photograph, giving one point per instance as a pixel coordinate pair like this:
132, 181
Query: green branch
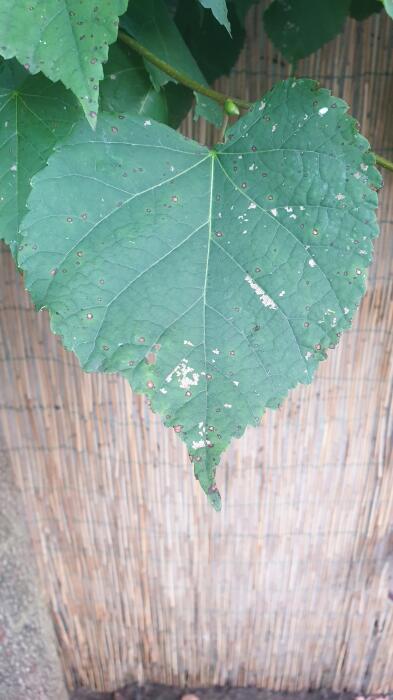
198, 87
384, 162
178, 75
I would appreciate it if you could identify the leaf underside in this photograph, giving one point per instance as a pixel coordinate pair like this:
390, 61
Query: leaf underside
66, 40
214, 281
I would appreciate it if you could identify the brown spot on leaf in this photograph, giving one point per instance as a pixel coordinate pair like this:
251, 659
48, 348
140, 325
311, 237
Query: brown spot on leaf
150, 358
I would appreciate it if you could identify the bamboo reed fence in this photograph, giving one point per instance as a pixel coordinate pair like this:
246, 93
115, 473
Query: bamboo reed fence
288, 588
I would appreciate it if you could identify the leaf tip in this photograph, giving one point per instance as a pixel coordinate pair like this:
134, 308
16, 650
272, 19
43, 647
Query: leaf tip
214, 498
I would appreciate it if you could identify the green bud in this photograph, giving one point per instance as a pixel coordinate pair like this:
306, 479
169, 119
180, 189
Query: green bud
231, 108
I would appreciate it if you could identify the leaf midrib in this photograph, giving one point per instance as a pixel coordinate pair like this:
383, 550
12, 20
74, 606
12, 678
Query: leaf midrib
213, 158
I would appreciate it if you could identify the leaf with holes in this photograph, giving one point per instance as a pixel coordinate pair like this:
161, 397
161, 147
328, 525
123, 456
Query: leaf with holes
66, 41
214, 281
300, 27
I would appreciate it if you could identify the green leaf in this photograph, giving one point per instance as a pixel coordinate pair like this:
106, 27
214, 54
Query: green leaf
179, 100
214, 281
219, 10
300, 27
389, 7
151, 24
127, 88
361, 9
35, 114
214, 50
65, 39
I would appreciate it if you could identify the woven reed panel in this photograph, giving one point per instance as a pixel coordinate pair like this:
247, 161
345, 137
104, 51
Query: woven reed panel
288, 588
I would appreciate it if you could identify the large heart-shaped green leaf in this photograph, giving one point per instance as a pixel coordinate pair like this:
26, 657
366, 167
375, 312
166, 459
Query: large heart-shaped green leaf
65, 39
214, 281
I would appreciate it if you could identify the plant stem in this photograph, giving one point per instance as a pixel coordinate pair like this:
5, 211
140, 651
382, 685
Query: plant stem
202, 89
178, 75
384, 162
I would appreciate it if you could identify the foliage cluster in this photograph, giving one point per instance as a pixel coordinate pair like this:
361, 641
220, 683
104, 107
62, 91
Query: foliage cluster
214, 280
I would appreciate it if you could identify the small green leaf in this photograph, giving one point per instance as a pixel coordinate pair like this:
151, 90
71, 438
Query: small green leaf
361, 9
214, 50
151, 24
389, 7
219, 10
35, 114
66, 40
300, 27
214, 281
127, 88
